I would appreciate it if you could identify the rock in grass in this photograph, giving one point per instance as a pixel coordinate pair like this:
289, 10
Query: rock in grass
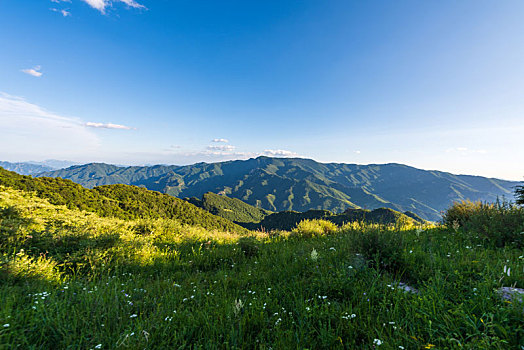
407, 289
511, 294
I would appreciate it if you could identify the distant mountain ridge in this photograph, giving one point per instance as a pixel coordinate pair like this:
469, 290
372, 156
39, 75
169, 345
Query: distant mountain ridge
24, 168
279, 184
33, 168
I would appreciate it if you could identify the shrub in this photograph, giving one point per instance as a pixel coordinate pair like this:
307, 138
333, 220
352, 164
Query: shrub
519, 195
23, 267
248, 246
381, 248
143, 227
312, 228
500, 223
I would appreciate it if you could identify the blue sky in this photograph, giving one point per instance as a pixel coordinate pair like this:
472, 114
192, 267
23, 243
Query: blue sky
432, 84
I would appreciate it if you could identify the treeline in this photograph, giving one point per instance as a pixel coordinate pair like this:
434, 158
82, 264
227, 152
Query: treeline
120, 201
287, 220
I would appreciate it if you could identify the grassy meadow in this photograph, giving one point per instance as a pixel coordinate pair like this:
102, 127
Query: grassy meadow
73, 279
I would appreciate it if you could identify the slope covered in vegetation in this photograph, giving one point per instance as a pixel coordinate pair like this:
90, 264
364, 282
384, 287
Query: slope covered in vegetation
74, 279
279, 184
120, 201
232, 209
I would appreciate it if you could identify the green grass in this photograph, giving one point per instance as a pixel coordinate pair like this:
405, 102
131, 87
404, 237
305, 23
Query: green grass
72, 279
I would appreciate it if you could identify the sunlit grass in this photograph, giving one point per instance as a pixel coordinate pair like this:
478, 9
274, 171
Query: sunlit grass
73, 279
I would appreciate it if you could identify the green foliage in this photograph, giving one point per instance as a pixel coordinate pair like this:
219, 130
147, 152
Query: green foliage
287, 220
302, 184
499, 223
232, 209
519, 195
85, 281
381, 248
120, 201
313, 228
249, 246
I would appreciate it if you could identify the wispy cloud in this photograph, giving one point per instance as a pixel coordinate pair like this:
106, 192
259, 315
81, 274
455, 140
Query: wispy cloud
107, 126
222, 148
220, 140
279, 153
101, 5
32, 131
64, 13
464, 151
35, 71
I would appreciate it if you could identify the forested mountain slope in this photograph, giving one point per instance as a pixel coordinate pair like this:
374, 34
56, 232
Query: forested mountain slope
297, 184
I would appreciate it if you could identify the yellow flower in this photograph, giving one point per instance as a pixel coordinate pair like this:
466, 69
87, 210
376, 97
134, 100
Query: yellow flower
429, 346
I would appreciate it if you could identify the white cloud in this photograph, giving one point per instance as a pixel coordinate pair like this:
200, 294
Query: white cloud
30, 131
133, 3
279, 153
35, 71
101, 5
107, 126
64, 13
220, 140
356, 152
221, 148
464, 151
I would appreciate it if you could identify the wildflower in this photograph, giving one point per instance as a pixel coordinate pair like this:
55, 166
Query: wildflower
377, 342
314, 255
332, 248
99, 346
133, 316
401, 347
429, 346
6, 325
239, 304
178, 285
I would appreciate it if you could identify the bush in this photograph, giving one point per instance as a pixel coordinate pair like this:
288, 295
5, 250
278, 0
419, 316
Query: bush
382, 249
519, 195
500, 223
248, 246
312, 228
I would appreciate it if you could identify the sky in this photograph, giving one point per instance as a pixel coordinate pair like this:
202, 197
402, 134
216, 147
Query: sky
431, 84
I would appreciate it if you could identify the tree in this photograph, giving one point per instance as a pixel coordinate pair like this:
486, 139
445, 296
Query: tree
519, 194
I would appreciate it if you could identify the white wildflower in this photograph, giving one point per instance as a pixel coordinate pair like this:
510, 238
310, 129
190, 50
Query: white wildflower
314, 255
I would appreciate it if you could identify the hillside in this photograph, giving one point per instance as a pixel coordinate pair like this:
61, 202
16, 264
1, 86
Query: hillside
279, 184
119, 201
73, 279
232, 209
255, 218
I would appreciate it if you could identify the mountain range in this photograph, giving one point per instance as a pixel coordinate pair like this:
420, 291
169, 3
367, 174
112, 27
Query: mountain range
32, 168
280, 184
